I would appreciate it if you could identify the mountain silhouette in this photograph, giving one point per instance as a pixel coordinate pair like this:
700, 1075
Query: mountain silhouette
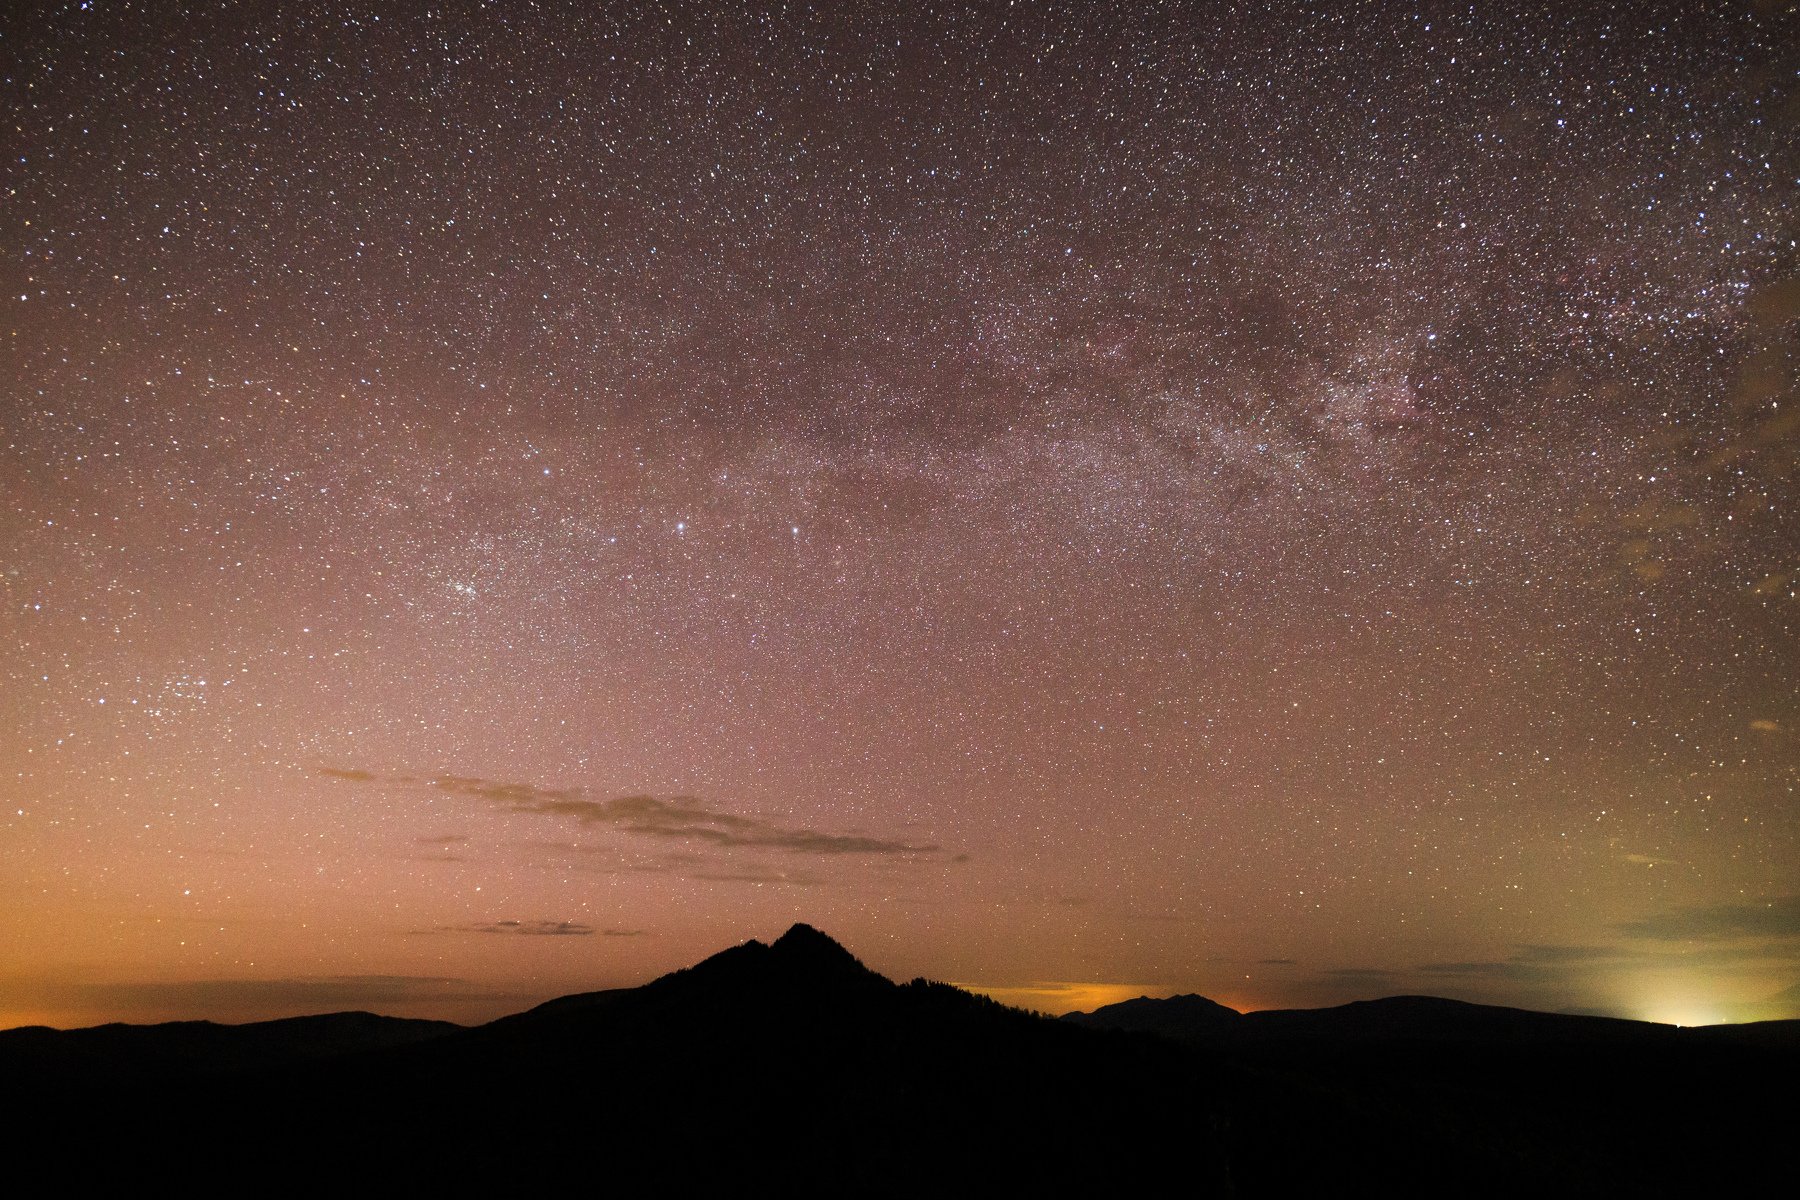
1407, 1020
1182, 1016
117, 1053
791, 1067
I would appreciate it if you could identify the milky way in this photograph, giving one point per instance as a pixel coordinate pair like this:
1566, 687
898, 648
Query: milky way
1292, 504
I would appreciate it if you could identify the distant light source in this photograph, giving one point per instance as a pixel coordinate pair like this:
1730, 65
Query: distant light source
1686, 1015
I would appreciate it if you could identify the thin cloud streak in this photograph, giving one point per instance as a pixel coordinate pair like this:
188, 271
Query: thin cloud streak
523, 928
1777, 917
676, 818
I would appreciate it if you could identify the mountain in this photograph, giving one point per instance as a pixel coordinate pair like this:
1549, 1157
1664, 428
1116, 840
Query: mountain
802, 967
787, 1065
1432, 1019
1407, 1021
116, 1054
1609, 1106
790, 1067
1182, 1017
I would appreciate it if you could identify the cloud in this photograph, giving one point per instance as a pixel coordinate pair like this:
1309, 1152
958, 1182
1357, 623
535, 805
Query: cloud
682, 818
1788, 998
1373, 974
1722, 953
318, 993
1532, 963
1482, 970
448, 839
623, 932
1276, 962
1562, 954
797, 879
70, 1003
607, 859
510, 794
682, 863
1778, 917
525, 928
1539, 963
676, 818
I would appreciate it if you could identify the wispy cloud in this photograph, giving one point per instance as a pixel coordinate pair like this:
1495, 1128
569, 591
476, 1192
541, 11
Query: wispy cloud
752, 875
675, 818
514, 795
1371, 974
1536, 953
1527, 963
1562, 964
1481, 970
318, 993
682, 863
525, 928
682, 818
1778, 917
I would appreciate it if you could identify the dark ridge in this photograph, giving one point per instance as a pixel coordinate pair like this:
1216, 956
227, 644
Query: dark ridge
566, 1005
116, 1052
1390, 1019
1178, 1016
1435, 1019
1782, 1033
792, 1068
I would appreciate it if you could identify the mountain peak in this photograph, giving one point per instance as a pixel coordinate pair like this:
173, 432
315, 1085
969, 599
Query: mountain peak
802, 944
801, 934
802, 958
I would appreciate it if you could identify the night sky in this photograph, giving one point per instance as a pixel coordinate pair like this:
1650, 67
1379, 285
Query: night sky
1295, 503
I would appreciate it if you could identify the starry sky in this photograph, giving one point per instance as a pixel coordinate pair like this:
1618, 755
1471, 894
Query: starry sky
1290, 502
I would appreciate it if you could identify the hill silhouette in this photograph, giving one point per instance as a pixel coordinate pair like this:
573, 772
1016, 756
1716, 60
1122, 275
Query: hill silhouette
1182, 1016
111, 1055
792, 1067
1413, 1020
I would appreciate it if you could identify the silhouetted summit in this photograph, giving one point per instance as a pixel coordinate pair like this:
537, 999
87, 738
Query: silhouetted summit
1181, 1016
792, 1068
805, 950
801, 958
804, 968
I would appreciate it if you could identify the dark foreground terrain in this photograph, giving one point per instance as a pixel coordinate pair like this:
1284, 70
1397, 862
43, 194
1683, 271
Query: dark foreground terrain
791, 1068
